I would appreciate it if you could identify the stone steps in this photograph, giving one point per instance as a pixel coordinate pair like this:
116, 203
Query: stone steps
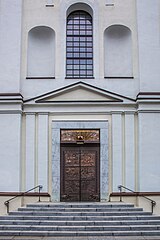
68, 210
80, 234
79, 214
79, 223
80, 218
80, 205
83, 219
79, 228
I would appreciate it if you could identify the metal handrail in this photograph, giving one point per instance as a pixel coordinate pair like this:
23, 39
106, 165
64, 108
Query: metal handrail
23, 194
153, 203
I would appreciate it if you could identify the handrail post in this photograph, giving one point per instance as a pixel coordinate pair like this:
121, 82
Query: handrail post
40, 187
7, 205
153, 203
152, 206
120, 190
109, 198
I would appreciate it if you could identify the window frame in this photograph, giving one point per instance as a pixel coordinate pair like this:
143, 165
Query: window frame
79, 45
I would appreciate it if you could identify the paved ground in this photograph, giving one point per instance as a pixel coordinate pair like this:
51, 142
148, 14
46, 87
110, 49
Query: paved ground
80, 238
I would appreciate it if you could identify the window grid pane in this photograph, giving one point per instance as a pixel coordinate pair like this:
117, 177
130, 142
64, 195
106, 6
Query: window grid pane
79, 46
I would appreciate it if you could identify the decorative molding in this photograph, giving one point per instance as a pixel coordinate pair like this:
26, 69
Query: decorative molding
83, 101
11, 97
148, 93
11, 94
148, 111
148, 96
119, 77
11, 111
40, 78
114, 97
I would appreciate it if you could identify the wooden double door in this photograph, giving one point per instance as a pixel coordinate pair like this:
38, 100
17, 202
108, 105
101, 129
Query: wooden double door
80, 170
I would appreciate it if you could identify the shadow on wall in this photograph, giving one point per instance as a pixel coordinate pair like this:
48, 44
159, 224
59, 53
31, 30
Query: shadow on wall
41, 52
118, 51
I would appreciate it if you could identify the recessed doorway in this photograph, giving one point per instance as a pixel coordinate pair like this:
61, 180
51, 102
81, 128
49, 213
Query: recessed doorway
58, 142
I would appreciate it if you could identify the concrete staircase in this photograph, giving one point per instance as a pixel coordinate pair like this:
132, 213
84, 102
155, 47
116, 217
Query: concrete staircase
80, 219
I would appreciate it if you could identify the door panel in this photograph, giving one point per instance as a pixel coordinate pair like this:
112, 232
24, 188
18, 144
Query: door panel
80, 173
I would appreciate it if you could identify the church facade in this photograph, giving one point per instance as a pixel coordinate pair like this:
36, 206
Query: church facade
79, 97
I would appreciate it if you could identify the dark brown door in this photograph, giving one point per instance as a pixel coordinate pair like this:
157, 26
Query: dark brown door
80, 173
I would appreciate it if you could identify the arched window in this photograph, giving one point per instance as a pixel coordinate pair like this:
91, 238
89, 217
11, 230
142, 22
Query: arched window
41, 51
79, 45
118, 51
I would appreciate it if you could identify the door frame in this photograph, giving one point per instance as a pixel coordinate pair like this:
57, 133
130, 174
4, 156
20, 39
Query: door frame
57, 125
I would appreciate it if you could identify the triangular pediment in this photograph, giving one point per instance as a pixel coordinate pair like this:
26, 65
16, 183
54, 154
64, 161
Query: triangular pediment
78, 92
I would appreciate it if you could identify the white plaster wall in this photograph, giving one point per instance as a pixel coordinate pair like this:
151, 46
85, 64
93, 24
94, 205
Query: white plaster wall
10, 141
10, 45
148, 21
36, 149
117, 177
35, 13
149, 151
30, 150
122, 13
130, 171
43, 151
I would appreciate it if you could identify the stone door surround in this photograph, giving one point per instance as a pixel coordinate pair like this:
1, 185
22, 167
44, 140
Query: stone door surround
56, 127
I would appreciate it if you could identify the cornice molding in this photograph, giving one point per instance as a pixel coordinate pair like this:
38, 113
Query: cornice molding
148, 96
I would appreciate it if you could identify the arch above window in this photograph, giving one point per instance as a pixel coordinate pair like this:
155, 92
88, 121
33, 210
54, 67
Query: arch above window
41, 51
118, 51
79, 45
80, 7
